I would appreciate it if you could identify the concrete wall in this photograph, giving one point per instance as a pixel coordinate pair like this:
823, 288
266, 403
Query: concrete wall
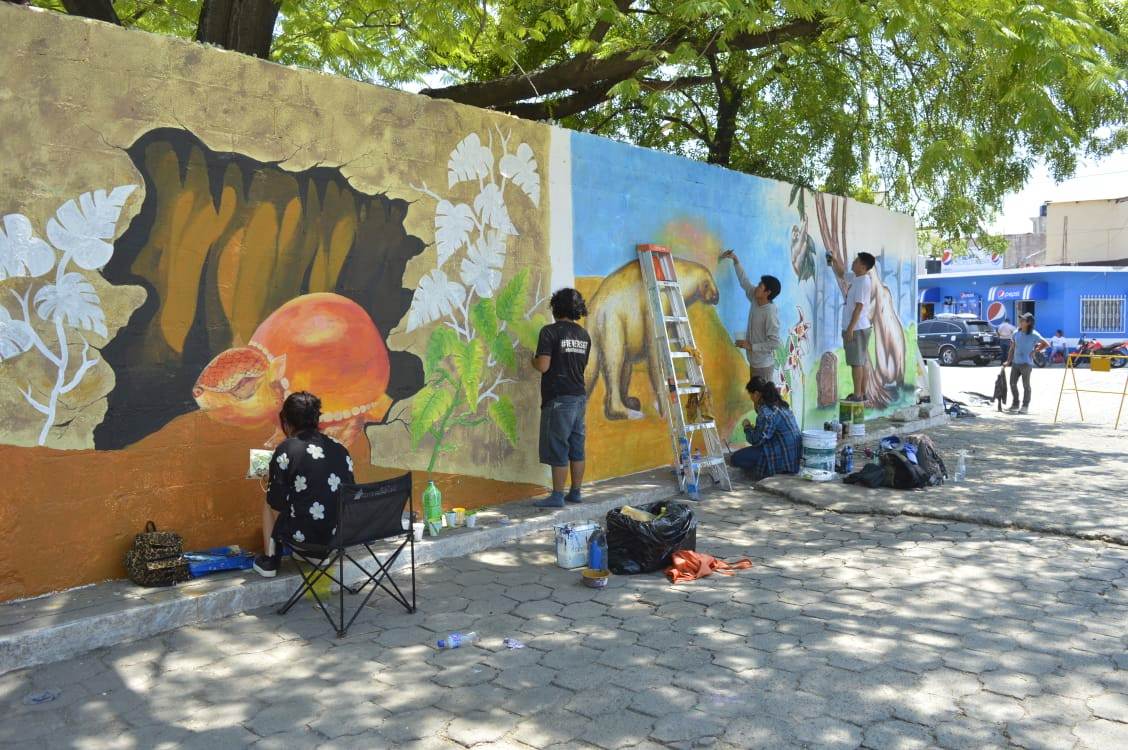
189, 234
1091, 232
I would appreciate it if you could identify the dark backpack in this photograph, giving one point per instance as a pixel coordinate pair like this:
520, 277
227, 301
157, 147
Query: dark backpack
870, 475
929, 460
156, 558
901, 473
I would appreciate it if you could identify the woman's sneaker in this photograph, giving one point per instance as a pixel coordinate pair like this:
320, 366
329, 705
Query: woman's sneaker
266, 565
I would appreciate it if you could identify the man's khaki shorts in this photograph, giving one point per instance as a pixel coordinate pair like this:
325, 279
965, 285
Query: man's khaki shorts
857, 348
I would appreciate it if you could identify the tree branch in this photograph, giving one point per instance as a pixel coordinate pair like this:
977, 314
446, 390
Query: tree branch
99, 10
583, 72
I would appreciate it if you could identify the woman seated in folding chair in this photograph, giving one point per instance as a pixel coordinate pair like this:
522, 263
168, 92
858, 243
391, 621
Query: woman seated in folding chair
775, 443
306, 472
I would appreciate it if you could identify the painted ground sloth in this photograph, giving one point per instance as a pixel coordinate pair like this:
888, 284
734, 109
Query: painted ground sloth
221, 241
619, 323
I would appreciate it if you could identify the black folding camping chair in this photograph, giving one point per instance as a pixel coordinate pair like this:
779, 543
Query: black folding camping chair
366, 513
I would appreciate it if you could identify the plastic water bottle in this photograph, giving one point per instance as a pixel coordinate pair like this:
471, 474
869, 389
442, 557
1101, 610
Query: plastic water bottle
433, 509
848, 459
683, 451
696, 455
456, 640
961, 467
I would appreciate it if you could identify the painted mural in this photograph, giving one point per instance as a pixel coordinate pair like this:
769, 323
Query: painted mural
478, 311
259, 281
698, 211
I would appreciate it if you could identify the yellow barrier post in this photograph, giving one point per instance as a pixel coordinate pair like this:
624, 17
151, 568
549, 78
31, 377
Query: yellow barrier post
1098, 363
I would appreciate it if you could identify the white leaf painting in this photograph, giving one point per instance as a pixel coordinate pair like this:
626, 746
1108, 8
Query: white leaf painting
490, 205
15, 336
21, 252
452, 228
481, 268
470, 160
436, 297
81, 229
74, 301
521, 169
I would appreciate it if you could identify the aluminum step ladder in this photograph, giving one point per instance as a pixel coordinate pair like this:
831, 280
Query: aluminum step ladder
673, 336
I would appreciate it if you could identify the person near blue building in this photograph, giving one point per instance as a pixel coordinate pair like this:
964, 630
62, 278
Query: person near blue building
1058, 345
1021, 360
775, 443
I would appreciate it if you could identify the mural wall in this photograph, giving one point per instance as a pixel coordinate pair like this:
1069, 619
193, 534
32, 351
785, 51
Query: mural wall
176, 256
624, 196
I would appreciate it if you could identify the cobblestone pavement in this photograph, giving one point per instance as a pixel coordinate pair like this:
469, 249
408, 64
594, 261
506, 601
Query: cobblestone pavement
850, 630
1023, 470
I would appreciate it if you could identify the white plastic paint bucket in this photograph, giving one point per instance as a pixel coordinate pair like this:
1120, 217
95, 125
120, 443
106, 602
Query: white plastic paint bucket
818, 449
572, 544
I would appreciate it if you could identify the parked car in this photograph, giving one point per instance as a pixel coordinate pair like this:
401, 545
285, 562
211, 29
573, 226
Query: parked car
954, 338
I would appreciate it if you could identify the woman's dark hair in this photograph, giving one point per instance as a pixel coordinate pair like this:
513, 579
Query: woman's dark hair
769, 394
568, 303
302, 411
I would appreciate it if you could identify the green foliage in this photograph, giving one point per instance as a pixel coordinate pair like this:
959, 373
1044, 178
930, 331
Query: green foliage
527, 331
430, 405
932, 244
502, 350
469, 362
483, 316
511, 299
443, 343
505, 417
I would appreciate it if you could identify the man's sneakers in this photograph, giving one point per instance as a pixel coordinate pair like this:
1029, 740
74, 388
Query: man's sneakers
854, 398
1013, 409
1025, 409
573, 496
554, 500
267, 565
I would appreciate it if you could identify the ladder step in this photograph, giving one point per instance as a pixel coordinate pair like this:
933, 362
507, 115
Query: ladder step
668, 285
675, 318
680, 355
706, 462
689, 390
693, 427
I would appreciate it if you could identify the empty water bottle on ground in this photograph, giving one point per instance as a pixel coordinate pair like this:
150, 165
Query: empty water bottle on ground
456, 640
961, 467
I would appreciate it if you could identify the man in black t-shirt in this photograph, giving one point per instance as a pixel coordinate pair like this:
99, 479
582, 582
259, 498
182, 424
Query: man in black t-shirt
561, 358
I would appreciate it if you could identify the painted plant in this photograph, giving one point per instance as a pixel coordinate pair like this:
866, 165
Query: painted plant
59, 315
478, 323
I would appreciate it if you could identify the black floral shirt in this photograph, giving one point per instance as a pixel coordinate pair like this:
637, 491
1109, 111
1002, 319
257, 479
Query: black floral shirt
306, 474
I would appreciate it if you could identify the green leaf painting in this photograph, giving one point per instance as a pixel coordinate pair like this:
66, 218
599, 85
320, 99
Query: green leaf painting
511, 299
505, 417
483, 316
469, 362
443, 343
529, 330
502, 350
431, 404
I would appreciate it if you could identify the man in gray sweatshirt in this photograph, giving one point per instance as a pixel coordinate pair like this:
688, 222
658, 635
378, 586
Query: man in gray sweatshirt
762, 338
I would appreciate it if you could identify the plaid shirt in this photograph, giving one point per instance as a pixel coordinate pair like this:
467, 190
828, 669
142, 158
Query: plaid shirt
777, 435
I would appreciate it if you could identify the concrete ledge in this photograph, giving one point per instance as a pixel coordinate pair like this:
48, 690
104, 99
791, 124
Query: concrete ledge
66, 624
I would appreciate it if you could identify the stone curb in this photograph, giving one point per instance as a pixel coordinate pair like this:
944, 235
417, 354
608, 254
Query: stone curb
120, 612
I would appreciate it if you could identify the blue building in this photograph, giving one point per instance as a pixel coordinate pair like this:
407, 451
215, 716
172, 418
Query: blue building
1084, 301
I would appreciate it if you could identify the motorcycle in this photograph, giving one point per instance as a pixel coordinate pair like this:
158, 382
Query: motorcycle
1086, 348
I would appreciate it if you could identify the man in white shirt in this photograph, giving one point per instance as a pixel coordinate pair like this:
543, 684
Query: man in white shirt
1058, 345
1006, 336
856, 322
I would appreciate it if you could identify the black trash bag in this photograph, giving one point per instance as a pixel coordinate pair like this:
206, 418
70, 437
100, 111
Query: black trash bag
638, 547
870, 475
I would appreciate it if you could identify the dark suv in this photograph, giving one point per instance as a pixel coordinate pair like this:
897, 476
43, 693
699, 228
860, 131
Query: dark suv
954, 338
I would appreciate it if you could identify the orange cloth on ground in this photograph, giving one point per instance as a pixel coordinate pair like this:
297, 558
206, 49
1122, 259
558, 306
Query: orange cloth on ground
689, 566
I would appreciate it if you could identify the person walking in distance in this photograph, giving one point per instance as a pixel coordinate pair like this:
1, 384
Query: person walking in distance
562, 355
762, 333
1021, 360
1006, 336
856, 322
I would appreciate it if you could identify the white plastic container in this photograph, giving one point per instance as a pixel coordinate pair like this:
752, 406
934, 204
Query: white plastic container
572, 544
818, 449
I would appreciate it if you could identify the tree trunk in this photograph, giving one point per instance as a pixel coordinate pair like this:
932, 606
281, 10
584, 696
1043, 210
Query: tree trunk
99, 10
728, 107
245, 26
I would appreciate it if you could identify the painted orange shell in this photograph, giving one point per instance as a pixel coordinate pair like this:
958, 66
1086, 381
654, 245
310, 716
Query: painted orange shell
231, 367
332, 349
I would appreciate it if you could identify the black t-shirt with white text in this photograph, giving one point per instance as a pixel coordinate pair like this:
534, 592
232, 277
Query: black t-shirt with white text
567, 345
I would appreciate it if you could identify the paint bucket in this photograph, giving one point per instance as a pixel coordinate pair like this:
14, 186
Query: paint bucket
572, 544
818, 449
459, 516
851, 412
858, 430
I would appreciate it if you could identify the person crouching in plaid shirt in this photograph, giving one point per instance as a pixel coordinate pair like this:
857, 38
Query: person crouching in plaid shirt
775, 443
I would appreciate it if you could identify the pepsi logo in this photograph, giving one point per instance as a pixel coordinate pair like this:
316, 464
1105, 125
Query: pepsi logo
947, 257
996, 311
